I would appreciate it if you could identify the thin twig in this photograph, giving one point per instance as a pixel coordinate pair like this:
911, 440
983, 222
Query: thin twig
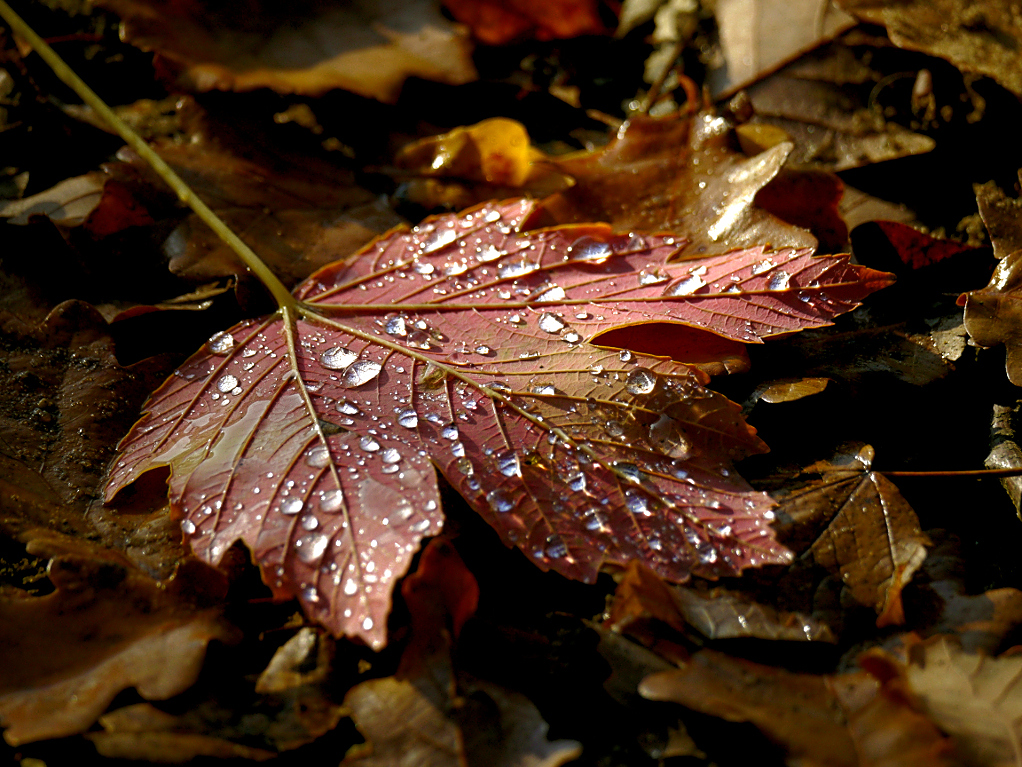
279, 291
963, 474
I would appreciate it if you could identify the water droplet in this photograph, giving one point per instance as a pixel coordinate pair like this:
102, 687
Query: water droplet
187, 526
489, 253
367, 624
449, 432
517, 268
544, 388
762, 266
396, 326
337, 358
589, 249
391, 455
577, 482
499, 501
458, 449
438, 238
778, 280
551, 323
555, 547
516, 319
369, 444
408, 418
424, 268
641, 381
596, 369
624, 355
310, 523
361, 372
687, 286
629, 471
594, 519
318, 457
455, 268
529, 355
227, 383
491, 217
220, 343
291, 505
350, 587
484, 350
331, 500
508, 464
312, 547
637, 503
571, 337
310, 594
348, 408
653, 278
552, 293
390, 468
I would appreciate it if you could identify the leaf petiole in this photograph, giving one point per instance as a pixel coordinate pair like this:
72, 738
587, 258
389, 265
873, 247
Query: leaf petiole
184, 193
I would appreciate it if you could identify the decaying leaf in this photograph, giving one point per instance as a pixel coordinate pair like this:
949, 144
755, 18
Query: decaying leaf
844, 720
856, 524
495, 23
361, 46
973, 697
993, 315
677, 174
758, 36
976, 37
66, 402
1005, 452
463, 342
106, 628
430, 715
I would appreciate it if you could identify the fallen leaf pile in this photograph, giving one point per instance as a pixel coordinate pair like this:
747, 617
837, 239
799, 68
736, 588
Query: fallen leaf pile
613, 416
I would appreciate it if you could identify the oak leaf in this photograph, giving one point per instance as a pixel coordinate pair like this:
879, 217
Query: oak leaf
463, 342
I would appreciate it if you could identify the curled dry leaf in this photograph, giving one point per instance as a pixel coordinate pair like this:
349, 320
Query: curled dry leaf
843, 720
107, 627
412, 717
982, 38
495, 23
716, 614
993, 315
677, 174
361, 47
463, 342
855, 523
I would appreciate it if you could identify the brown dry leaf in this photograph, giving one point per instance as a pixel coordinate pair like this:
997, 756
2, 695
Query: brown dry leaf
106, 628
496, 22
490, 160
843, 720
66, 403
974, 698
857, 207
856, 525
677, 174
298, 211
1005, 452
717, 613
144, 732
788, 389
976, 37
364, 47
758, 36
829, 128
993, 315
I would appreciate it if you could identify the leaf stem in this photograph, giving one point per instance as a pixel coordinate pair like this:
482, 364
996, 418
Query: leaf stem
961, 474
279, 291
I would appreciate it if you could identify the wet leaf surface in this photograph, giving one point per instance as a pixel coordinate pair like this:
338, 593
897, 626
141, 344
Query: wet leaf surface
531, 425
105, 628
359, 47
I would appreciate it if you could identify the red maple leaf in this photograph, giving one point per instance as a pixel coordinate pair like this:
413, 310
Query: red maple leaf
312, 435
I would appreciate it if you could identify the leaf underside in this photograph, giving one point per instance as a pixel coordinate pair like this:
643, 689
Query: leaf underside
461, 345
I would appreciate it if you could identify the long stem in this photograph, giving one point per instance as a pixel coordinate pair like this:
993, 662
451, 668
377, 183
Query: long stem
952, 474
279, 291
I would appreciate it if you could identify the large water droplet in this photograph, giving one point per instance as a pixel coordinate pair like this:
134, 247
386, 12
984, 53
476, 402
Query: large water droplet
438, 238
348, 408
187, 526
778, 280
391, 455
551, 323
594, 519
309, 594
589, 249
637, 503
489, 253
555, 547
508, 464
516, 268
312, 547
361, 372
424, 268
571, 337
484, 350
220, 343
396, 326
331, 500
762, 266
641, 381
577, 482
350, 587
291, 505
318, 457
226, 383
628, 471
499, 501
310, 523
624, 355
337, 358
367, 624
408, 418
687, 286
449, 432
369, 444
544, 388
551, 293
